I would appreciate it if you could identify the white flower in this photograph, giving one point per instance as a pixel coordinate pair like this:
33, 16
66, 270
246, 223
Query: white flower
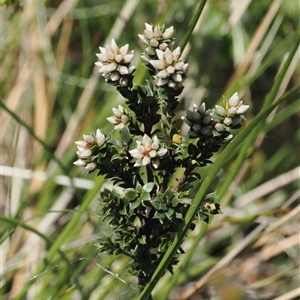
90, 140
120, 118
220, 110
87, 147
100, 138
236, 106
242, 109
146, 150
234, 100
83, 153
90, 166
219, 127
79, 163
227, 121
155, 35
170, 70
114, 62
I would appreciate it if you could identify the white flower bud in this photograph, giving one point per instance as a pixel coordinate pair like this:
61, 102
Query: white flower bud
154, 43
162, 82
118, 58
177, 77
149, 34
79, 163
91, 166
227, 121
176, 53
112, 120
162, 74
234, 100
123, 50
168, 33
232, 111
168, 56
114, 76
123, 70
150, 51
108, 68
143, 39
128, 57
178, 66
163, 46
157, 64
86, 153
220, 110
242, 109
220, 127
170, 69
157, 32
100, 138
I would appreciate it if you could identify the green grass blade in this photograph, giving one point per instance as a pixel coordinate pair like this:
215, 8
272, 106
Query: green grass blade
192, 24
62, 237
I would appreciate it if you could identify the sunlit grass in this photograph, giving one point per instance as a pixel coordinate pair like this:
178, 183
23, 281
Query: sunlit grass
51, 94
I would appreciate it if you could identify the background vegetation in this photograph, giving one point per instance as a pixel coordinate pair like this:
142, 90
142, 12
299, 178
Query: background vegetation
51, 94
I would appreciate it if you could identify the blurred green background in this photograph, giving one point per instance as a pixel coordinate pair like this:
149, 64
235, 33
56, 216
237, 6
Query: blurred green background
51, 94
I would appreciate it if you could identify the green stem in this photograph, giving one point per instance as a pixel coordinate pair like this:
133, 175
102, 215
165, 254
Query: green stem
192, 25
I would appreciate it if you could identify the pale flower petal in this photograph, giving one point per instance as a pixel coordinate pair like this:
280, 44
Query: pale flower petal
162, 74
146, 150
79, 163
114, 45
146, 160
220, 127
168, 56
112, 120
123, 70
160, 54
227, 121
157, 64
100, 138
117, 112
152, 153
242, 109
168, 33
220, 110
86, 153
91, 166
154, 43
124, 49
232, 111
81, 144
162, 152
176, 53
234, 100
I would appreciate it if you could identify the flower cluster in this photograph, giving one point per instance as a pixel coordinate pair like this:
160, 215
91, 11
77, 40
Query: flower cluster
88, 147
199, 120
114, 63
230, 116
170, 69
120, 118
204, 122
146, 150
155, 37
